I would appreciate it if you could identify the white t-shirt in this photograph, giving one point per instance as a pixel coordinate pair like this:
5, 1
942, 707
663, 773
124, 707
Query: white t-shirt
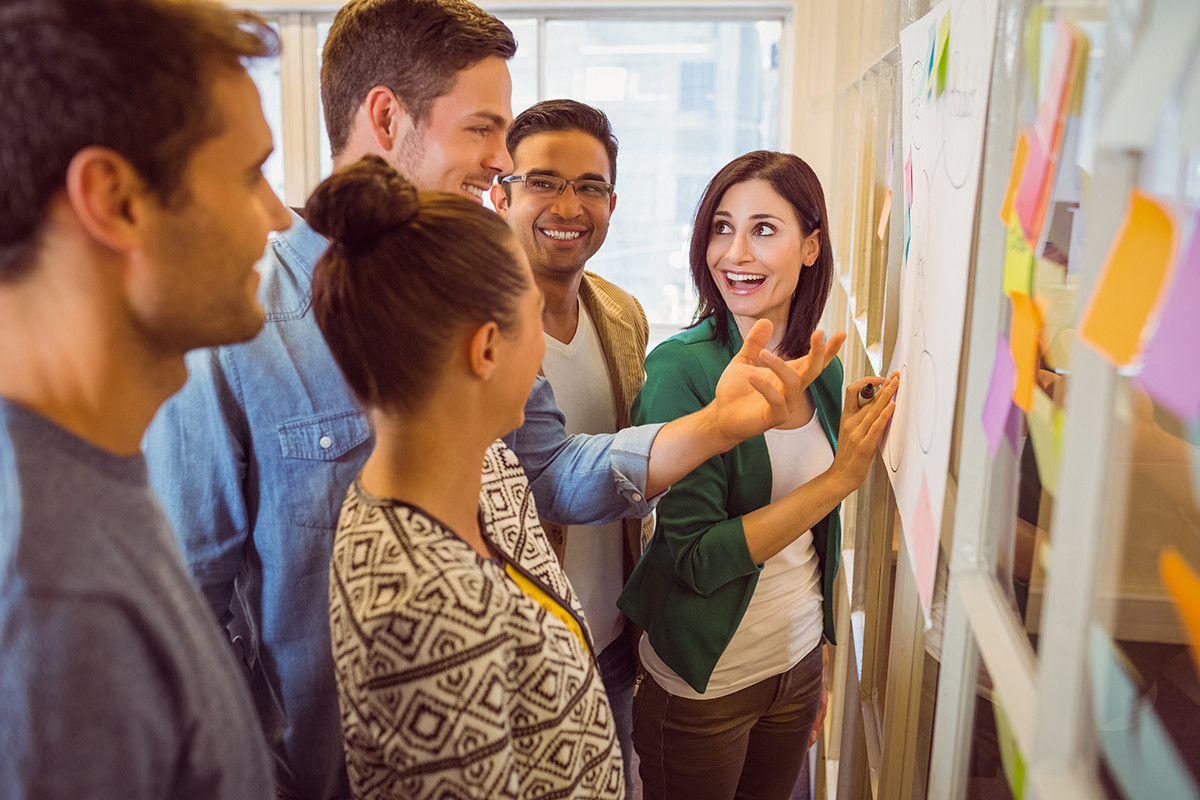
784, 621
578, 373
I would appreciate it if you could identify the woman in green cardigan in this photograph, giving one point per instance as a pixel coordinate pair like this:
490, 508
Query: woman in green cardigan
730, 589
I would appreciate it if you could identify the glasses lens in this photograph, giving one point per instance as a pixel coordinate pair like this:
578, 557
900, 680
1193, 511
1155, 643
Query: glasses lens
544, 184
592, 190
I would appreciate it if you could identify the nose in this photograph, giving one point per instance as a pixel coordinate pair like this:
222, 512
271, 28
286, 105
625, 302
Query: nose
567, 205
739, 251
277, 215
498, 160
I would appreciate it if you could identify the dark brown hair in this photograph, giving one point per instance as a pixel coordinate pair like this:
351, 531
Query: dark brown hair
796, 183
415, 48
134, 76
403, 268
564, 115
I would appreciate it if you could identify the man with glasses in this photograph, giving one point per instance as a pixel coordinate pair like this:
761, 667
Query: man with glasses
253, 457
558, 203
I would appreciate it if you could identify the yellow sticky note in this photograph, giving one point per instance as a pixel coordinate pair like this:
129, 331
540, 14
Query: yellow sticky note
1132, 280
1022, 336
1033, 44
1010, 754
1184, 586
1018, 261
943, 53
885, 214
1014, 177
1045, 431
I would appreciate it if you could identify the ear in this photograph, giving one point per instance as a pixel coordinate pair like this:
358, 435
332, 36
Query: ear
387, 118
612, 203
812, 248
499, 199
108, 197
483, 351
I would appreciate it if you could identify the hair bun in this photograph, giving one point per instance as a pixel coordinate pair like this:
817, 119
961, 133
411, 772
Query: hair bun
356, 205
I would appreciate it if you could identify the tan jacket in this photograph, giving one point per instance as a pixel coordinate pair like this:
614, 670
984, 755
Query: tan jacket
623, 331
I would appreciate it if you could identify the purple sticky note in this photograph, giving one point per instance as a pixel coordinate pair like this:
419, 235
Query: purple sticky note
1171, 368
908, 179
999, 396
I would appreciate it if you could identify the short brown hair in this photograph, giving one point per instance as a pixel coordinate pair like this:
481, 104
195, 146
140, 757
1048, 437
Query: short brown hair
415, 48
796, 183
134, 76
551, 116
402, 269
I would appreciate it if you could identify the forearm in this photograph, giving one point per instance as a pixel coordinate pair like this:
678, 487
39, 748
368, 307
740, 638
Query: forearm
773, 527
682, 445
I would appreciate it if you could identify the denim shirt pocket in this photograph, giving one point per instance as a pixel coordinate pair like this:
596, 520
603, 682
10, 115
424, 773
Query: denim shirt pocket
321, 456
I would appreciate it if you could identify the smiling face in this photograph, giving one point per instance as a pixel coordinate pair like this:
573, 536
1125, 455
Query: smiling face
558, 234
460, 147
756, 251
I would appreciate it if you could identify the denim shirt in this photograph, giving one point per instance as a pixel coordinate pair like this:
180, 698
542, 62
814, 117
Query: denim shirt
252, 460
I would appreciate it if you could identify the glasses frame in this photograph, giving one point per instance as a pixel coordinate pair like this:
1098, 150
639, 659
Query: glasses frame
563, 184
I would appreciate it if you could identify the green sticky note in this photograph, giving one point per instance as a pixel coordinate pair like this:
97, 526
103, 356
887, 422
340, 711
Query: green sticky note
1010, 756
943, 52
1018, 261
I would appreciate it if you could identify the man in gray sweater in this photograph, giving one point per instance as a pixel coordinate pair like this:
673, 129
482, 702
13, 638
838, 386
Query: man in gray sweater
132, 209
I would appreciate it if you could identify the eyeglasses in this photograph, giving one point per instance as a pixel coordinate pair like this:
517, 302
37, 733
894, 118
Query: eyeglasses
552, 186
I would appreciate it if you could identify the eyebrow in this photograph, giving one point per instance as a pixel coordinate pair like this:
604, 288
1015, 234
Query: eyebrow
491, 117
587, 176
752, 216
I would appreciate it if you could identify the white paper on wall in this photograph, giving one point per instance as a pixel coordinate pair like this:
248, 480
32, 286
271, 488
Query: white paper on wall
944, 133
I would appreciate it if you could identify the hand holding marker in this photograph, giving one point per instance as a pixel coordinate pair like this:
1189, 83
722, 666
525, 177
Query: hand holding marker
866, 394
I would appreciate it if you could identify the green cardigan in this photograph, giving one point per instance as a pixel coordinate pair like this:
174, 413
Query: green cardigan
691, 587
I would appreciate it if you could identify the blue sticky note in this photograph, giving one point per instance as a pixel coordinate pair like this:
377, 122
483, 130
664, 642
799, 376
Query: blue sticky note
1136, 746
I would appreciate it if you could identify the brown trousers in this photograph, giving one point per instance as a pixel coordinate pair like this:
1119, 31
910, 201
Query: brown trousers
747, 745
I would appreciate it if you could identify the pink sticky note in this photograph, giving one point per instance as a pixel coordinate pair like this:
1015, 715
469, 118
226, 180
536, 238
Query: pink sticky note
924, 544
1033, 192
908, 179
999, 396
1171, 369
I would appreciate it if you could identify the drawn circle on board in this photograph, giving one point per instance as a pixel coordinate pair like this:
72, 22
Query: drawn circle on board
898, 427
965, 96
926, 401
916, 86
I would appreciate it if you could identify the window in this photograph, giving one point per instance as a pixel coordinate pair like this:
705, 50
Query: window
685, 96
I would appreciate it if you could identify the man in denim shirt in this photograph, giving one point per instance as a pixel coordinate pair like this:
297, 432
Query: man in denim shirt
253, 457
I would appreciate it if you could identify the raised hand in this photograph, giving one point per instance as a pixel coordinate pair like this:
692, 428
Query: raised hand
862, 428
759, 390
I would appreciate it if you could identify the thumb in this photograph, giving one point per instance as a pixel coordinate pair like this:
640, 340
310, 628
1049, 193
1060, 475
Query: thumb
756, 340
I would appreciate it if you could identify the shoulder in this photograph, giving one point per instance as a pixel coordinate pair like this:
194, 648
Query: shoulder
604, 296
694, 348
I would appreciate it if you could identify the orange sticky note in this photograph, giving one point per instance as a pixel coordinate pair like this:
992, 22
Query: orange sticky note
1184, 586
1022, 337
1014, 178
1132, 280
885, 214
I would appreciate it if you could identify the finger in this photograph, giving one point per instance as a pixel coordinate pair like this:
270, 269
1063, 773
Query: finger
879, 424
755, 341
793, 382
833, 345
776, 398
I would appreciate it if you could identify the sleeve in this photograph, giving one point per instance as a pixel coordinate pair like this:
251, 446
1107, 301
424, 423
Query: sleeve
581, 480
196, 451
707, 547
88, 709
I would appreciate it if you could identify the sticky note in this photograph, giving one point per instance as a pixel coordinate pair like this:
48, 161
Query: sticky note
997, 405
1010, 755
1045, 430
1033, 189
1171, 367
924, 540
908, 194
1131, 281
1134, 111
943, 54
1138, 750
885, 213
1022, 333
927, 86
1014, 177
1184, 585
1018, 262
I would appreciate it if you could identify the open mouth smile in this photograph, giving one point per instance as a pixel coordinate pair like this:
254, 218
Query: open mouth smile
743, 281
560, 236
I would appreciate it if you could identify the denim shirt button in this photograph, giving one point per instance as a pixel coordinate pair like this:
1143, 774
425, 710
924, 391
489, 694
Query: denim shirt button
325, 442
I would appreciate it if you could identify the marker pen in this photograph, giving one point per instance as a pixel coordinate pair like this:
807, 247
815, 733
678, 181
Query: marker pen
866, 394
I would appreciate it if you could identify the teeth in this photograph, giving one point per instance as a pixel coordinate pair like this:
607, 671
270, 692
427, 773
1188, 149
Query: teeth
744, 276
475, 190
561, 235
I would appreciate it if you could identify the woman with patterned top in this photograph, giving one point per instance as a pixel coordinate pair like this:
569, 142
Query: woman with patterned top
731, 587
463, 662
